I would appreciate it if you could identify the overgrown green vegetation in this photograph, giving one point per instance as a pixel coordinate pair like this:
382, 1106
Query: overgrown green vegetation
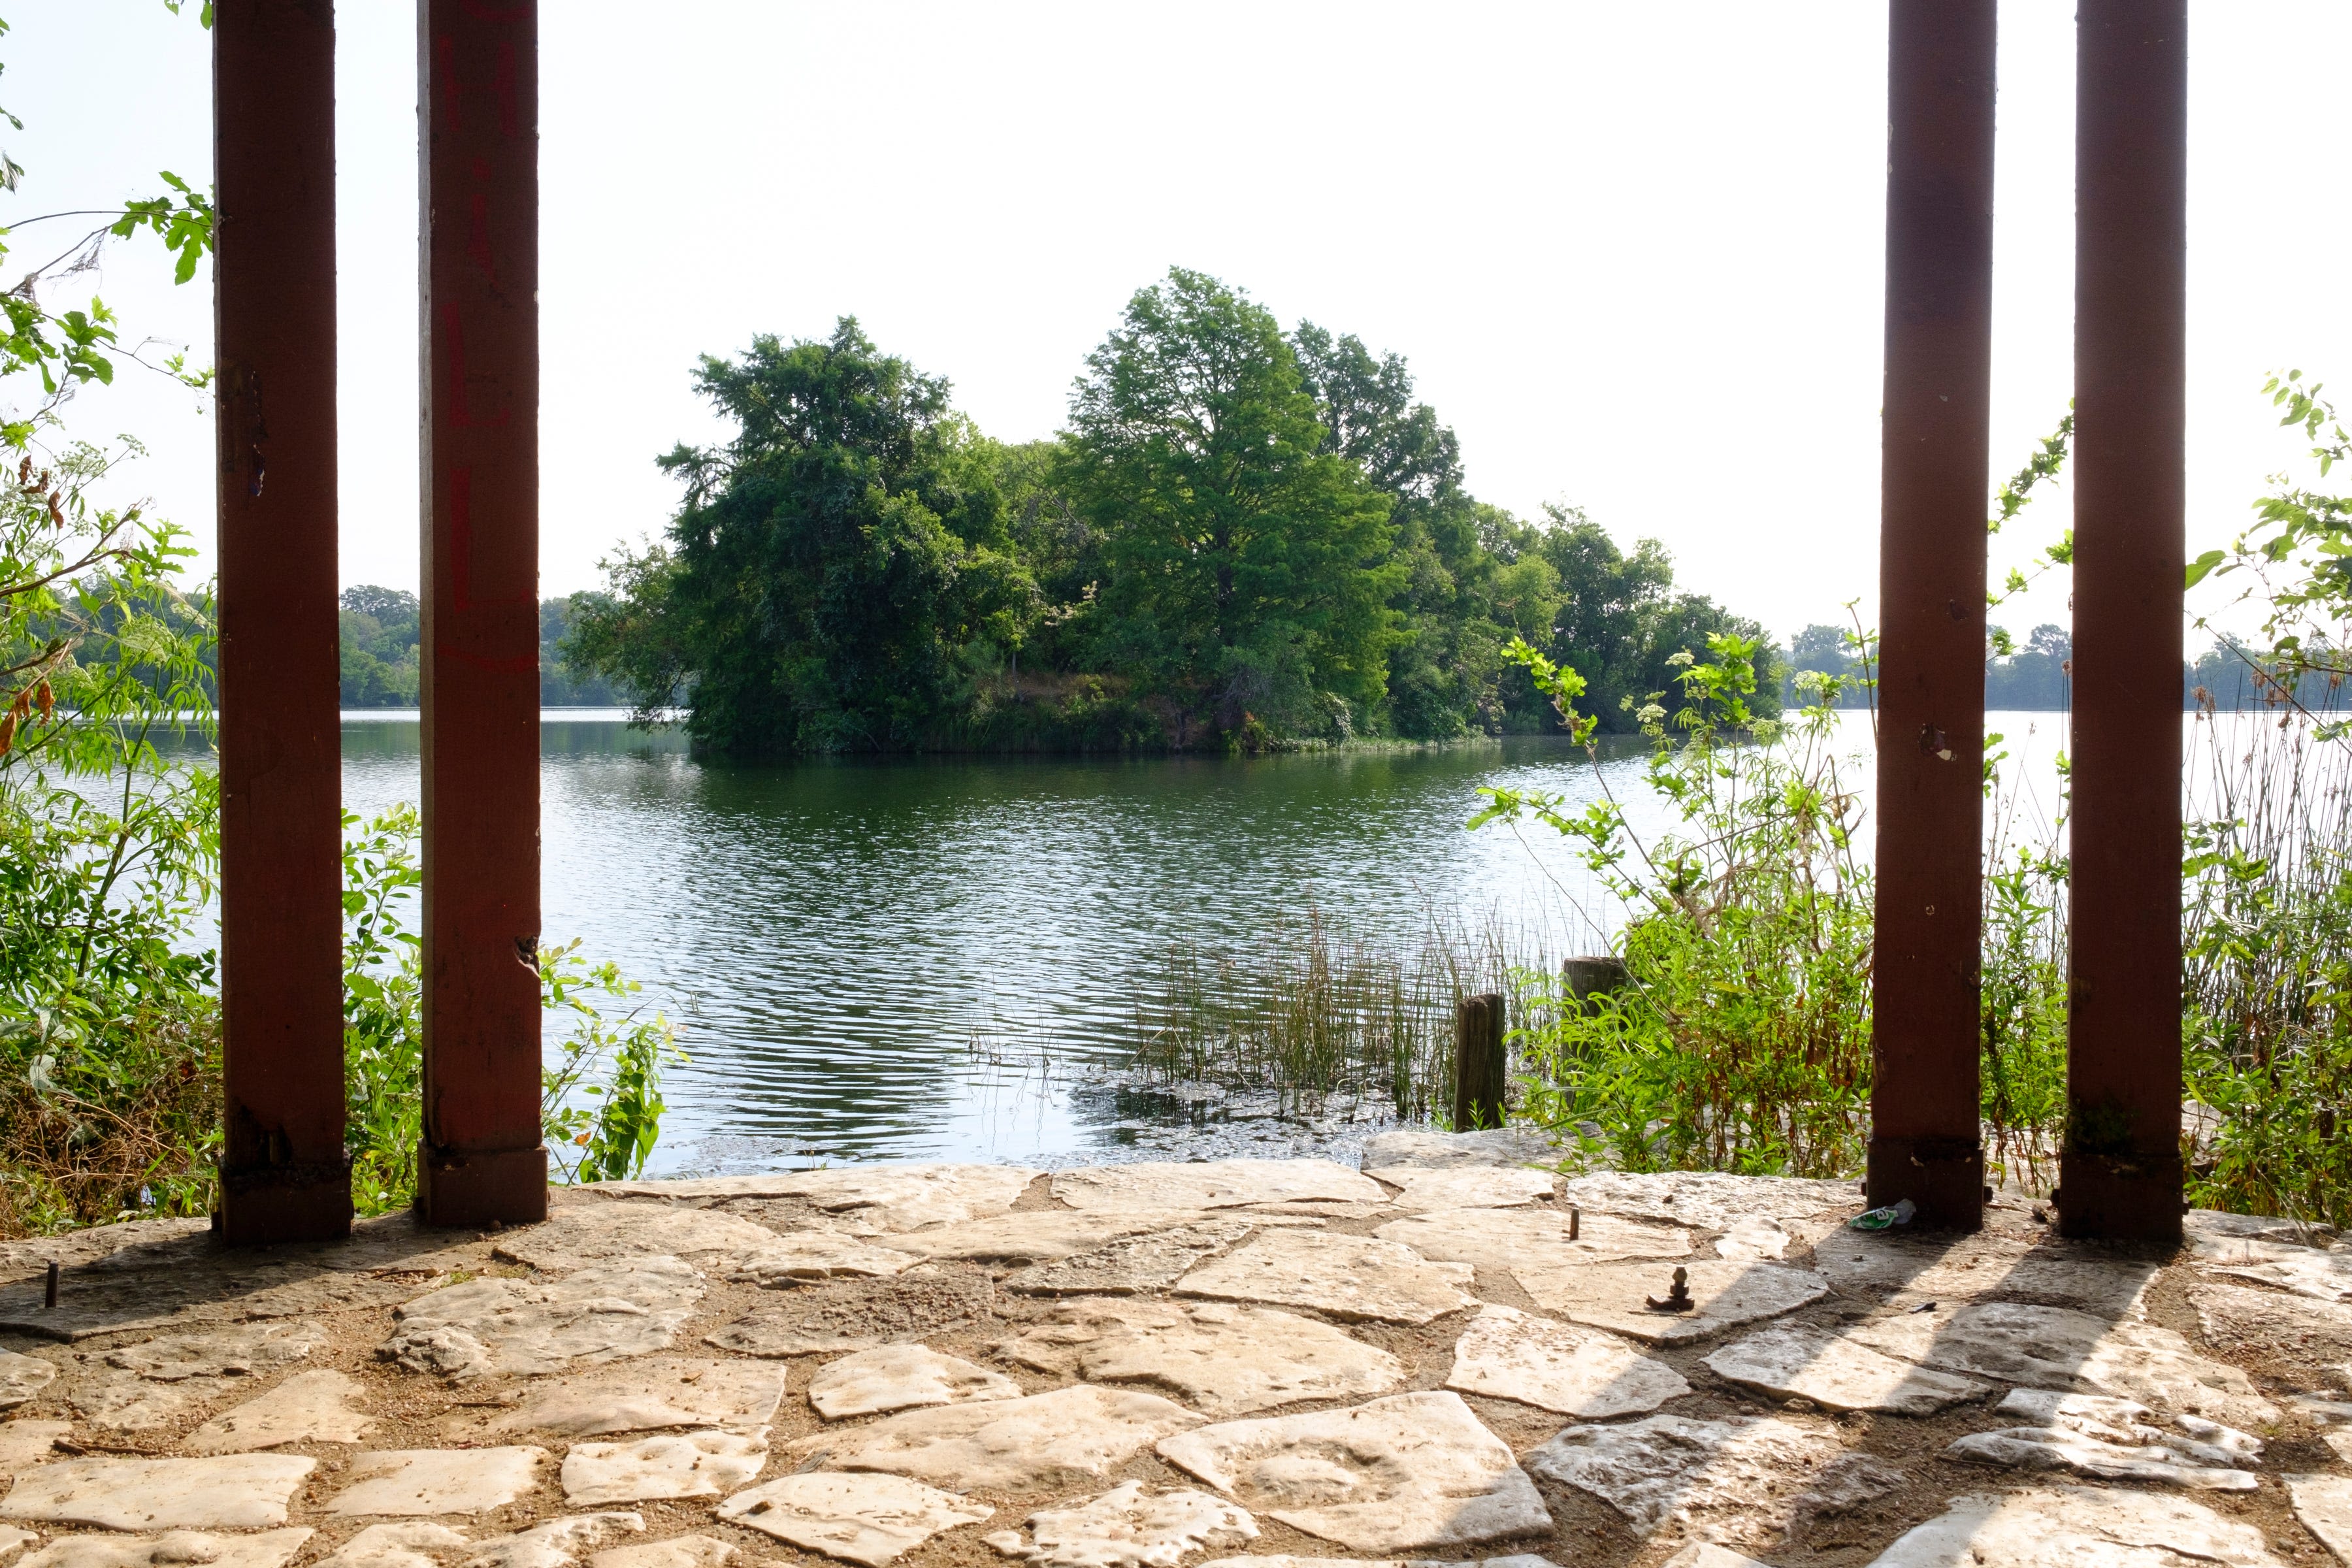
1245, 538
600, 1098
1743, 1042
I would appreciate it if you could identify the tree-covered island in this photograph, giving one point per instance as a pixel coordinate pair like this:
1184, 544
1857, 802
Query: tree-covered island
1245, 539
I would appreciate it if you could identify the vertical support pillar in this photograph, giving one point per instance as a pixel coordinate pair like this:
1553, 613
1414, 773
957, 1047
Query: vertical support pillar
2120, 1173
1924, 1142
284, 1174
477, 90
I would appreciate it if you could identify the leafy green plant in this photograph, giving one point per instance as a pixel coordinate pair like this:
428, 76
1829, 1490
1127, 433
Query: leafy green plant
615, 1134
601, 1098
1743, 1042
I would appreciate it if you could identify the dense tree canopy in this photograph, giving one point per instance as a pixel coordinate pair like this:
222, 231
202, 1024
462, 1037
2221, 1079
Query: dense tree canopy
1244, 538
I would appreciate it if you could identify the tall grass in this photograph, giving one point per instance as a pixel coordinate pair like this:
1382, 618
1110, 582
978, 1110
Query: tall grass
2267, 1020
1308, 1011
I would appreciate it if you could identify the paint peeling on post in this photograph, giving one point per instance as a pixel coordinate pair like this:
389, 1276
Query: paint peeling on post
481, 1161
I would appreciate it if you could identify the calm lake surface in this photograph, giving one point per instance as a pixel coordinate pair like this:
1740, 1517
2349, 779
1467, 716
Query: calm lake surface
938, 958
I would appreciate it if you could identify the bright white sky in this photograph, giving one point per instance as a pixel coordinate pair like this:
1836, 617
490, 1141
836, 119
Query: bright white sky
1631, 252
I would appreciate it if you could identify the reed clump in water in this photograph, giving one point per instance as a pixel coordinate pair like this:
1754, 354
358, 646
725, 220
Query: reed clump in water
1311, 1011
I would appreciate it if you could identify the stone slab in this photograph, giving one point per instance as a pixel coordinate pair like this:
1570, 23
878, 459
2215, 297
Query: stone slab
647, 1394
2124, 1420
1843, 1487
183, 1280
868, 1519
1152, 1260
2324, 1276
1707, 1554
900, 1377
240, 1351
1288, 1560
1757, 1238
2303, 1329
236, 1491
1738, 1479
415, 1483
1708, 1200
553, 1543
2324, 1505
125, 1401
408, 1543
802, 1256
1035, 1236
22, 1377
2054, 1347
597, 1313
602, 1232
1064, 1437
171, 1549
2080, 1527
1224, 1360
1404, 1472
1908, 1270
1795, 1361
1725, 1295
1127, 1527
678, 1551
2202, 1227
2059, 1448
1510, 1354
1353, 1278
1503, 1239
1494, 1147
1466, 1186
887, 1197
24, 1443
673, 1464
1214, 1185
833, 1316
308, 1407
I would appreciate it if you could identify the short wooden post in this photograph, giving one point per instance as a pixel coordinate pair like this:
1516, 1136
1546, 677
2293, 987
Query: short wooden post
1584, 979
1478, 1062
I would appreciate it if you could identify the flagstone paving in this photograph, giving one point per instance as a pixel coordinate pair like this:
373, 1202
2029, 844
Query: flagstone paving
1206, 1365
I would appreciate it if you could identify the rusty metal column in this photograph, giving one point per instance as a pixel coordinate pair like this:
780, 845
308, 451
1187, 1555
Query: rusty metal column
1924, 1142
284, 1174
478, 91
2120, 1172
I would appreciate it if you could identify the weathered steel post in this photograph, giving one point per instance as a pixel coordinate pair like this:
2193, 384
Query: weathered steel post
2120, 1172
1481, 1065
284, 1174
478, 91
1924, 1142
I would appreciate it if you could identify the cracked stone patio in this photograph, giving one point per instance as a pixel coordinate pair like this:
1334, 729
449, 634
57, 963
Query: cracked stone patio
1443, 1357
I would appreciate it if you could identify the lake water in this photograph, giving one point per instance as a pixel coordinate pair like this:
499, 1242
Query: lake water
835, 937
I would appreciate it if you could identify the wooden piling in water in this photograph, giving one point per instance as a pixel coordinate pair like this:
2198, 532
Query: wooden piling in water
1478, 1062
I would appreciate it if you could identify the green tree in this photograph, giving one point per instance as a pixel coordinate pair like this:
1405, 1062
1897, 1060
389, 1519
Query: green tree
835, 568
1622, 624
1248, 566
1466, 581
